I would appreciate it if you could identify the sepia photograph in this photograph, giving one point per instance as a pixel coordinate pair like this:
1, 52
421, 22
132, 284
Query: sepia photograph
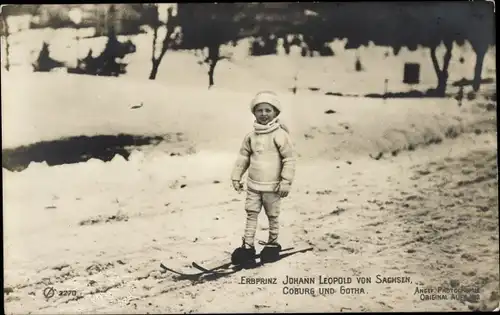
249, 157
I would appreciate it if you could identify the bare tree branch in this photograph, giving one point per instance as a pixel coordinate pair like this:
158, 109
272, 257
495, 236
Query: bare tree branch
435, 62
165, 43
155, 38
447, 56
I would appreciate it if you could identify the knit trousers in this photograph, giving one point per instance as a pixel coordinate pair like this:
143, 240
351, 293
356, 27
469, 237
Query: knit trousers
271, 202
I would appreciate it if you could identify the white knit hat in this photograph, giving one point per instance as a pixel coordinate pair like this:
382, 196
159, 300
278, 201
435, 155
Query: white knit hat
266, 97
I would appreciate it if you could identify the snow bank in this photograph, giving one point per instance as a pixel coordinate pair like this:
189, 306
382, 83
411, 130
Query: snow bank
367, 126
45, 107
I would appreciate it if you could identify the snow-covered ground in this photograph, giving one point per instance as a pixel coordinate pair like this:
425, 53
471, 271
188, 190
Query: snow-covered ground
102, 229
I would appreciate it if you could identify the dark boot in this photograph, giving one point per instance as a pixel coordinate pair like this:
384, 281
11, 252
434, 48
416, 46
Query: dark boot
270, 253
244, 255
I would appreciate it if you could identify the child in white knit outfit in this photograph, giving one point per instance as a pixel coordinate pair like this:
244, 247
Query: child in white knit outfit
268, 154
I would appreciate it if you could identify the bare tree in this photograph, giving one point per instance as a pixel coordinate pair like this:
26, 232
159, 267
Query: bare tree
481, 35
208, 25
212, 59
480, 48
166, 43
410, 24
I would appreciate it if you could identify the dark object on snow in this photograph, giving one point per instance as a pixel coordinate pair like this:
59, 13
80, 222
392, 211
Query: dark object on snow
243, 256
491, 107
431, 93
378, 156
411, 73
358, 67
460, 95
466, 82
216, 271
471, 95
340, 94
265, 45
105, 64
74, 150
270, 253
45, 63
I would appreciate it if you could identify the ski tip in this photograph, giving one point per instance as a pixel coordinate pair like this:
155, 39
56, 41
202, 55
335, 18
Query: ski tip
303, 250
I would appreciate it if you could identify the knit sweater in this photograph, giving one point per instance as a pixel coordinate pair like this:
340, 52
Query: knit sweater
268, 154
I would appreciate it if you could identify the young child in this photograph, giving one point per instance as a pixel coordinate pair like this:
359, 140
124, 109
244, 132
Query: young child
268, 154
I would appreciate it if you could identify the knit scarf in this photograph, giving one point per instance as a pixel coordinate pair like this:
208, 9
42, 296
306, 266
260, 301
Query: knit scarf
269, 127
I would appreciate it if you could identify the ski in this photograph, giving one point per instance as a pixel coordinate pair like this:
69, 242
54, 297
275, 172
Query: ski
227, 265
196, 274
183, 274
214, 270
